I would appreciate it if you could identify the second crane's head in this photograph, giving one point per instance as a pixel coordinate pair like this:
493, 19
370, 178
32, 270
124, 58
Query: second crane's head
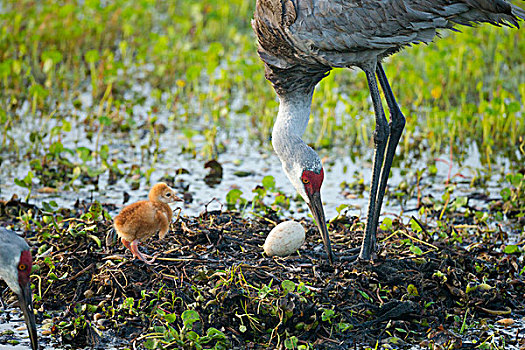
304, 169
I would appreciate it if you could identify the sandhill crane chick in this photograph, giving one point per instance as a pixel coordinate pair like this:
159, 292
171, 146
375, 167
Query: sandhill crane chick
284, 239
141, 220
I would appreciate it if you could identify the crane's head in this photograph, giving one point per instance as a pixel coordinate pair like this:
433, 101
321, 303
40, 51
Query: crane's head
163, 193
15, 269
305, 172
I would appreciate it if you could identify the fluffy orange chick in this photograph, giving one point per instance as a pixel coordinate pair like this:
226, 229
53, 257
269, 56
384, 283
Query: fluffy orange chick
141, 220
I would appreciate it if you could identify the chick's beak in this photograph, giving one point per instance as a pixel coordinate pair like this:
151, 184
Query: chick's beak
26, 304
316, 207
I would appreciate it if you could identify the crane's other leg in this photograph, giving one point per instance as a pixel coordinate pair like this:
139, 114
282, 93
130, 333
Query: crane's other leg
381, 134
397, 124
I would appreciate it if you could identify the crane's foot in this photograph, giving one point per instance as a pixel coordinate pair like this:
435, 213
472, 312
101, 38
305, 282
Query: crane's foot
134, 248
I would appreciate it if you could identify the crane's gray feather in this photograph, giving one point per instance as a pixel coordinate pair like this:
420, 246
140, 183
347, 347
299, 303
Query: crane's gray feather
300, 40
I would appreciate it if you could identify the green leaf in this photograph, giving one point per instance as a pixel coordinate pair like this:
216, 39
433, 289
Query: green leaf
84, 153
511, 248
416, 250
193, 335
215, 333
341, 207
505, 193
364, 295
233, 196
461, 201
104, 152
268, 182
343, 326
288, 286
386, 224
327, 314
170, 318
412, 290
56, 148
189, 317
291, 343
415, 226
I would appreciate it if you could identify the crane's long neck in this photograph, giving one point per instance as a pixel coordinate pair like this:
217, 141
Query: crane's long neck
292, 119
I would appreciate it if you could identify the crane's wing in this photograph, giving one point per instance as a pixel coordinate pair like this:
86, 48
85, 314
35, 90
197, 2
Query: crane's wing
340, 33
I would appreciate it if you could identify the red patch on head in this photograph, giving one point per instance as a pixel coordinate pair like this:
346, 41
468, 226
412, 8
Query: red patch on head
312, 181
24, 267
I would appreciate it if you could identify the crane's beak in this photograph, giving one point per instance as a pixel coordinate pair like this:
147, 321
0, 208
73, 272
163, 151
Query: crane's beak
26, 304
316, 207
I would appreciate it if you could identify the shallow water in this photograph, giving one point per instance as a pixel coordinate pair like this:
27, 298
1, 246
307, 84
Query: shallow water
240, 154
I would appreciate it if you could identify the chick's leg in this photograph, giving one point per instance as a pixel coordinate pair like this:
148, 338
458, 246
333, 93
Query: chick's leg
126, 243
134, 247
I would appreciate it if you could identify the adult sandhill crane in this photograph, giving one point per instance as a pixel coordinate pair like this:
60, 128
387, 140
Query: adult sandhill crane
15, 268
300, 41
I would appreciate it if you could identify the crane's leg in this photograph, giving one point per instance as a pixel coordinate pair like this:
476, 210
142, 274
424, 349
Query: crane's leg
381, 135
397, 124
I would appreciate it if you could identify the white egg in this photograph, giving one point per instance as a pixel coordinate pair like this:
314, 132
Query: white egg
284, 239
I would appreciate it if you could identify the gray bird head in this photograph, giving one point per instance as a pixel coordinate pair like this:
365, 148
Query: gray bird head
304, 169
15, 268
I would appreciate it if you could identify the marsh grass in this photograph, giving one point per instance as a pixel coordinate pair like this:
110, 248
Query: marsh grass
197, 58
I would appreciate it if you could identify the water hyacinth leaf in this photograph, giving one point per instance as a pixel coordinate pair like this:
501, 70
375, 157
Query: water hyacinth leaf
327, 314
233, 196
412, 290
268, 182
288, 286
414, 225
511, 248
192, 335
416, 250
214, 333
189, 317
170, 318
386, 224
291, 343
505, 193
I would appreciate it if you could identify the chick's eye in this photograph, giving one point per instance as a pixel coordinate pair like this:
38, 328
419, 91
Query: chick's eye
22, 267
305, 181
168, 194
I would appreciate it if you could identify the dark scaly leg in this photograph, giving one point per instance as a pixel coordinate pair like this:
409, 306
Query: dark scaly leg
381, 135
397, 124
